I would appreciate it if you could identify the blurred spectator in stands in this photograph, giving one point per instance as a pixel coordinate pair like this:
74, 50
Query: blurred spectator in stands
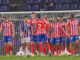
51, 7
13, 7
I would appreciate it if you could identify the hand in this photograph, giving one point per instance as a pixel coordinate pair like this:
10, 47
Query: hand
13, 37
67, 35
23, 33
0, 31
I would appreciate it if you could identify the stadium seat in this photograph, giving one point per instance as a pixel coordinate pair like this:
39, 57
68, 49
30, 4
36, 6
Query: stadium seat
3, 8
38, 1
0, 1
46, 1
29, 1
5, 1
74, 7
66, 7
58, 7
27, 8
35, 7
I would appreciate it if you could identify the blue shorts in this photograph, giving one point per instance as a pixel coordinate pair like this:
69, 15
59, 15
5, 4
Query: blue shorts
7, 38
41, 37
62, 39
49, 40
55, 40
34, 38
73, 38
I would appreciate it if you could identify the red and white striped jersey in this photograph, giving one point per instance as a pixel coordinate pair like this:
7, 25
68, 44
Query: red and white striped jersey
7, 26
63, 25
73, 26
33, 28
55, 27
40, 26
48, 33
55, 30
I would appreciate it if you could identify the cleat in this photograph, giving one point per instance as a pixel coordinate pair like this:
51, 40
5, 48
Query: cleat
37, 53
33, 55
42, 54
50, 54
11, 53
7, 54
63, 52
60, 55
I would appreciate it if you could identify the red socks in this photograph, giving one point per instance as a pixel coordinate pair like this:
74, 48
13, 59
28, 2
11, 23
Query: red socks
53, 50
71, 51
57, 50
63, 47
45, 50
48, 46
10, 47
41, 47
76, 49
37, 47
32, 48
6, 49
60, 49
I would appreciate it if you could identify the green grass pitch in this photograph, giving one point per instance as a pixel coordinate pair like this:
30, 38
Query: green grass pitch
40, 58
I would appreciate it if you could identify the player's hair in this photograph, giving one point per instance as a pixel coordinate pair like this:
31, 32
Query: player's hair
61, 16
25, 16
72, 15
5, 17
33, 13
39, 16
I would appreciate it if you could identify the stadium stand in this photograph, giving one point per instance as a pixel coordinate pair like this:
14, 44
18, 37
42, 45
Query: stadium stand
30, 5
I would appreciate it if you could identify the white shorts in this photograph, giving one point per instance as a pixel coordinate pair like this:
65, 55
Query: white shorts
25, 40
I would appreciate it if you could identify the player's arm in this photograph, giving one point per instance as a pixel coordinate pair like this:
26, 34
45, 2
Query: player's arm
78, 27
1, 28
13, 30
67, 26
21, 29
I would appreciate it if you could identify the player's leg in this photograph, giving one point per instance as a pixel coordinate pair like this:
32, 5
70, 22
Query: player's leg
37, 48
52, 42
23, 41
10, 44
6, 45
57, 46
41, 44
71, 44
47, 43
77, 43
63, 42
28, 45
60, 45
44, 49
37, 44
32, 45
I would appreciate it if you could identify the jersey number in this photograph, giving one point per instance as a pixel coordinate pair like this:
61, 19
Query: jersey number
39, 25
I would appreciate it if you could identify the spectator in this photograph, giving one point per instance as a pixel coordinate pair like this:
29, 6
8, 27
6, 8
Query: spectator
51, 7
13, 7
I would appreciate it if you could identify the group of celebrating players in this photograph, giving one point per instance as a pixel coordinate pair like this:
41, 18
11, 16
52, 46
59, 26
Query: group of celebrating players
44, 35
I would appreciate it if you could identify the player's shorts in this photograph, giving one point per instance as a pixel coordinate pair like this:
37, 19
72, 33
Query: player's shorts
41, 37
25, 39
7, 38
49, 40
68, 41
55, 40
34, 38
62, 39
73, 38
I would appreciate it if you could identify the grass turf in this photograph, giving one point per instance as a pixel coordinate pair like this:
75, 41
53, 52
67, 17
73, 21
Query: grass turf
40, 58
